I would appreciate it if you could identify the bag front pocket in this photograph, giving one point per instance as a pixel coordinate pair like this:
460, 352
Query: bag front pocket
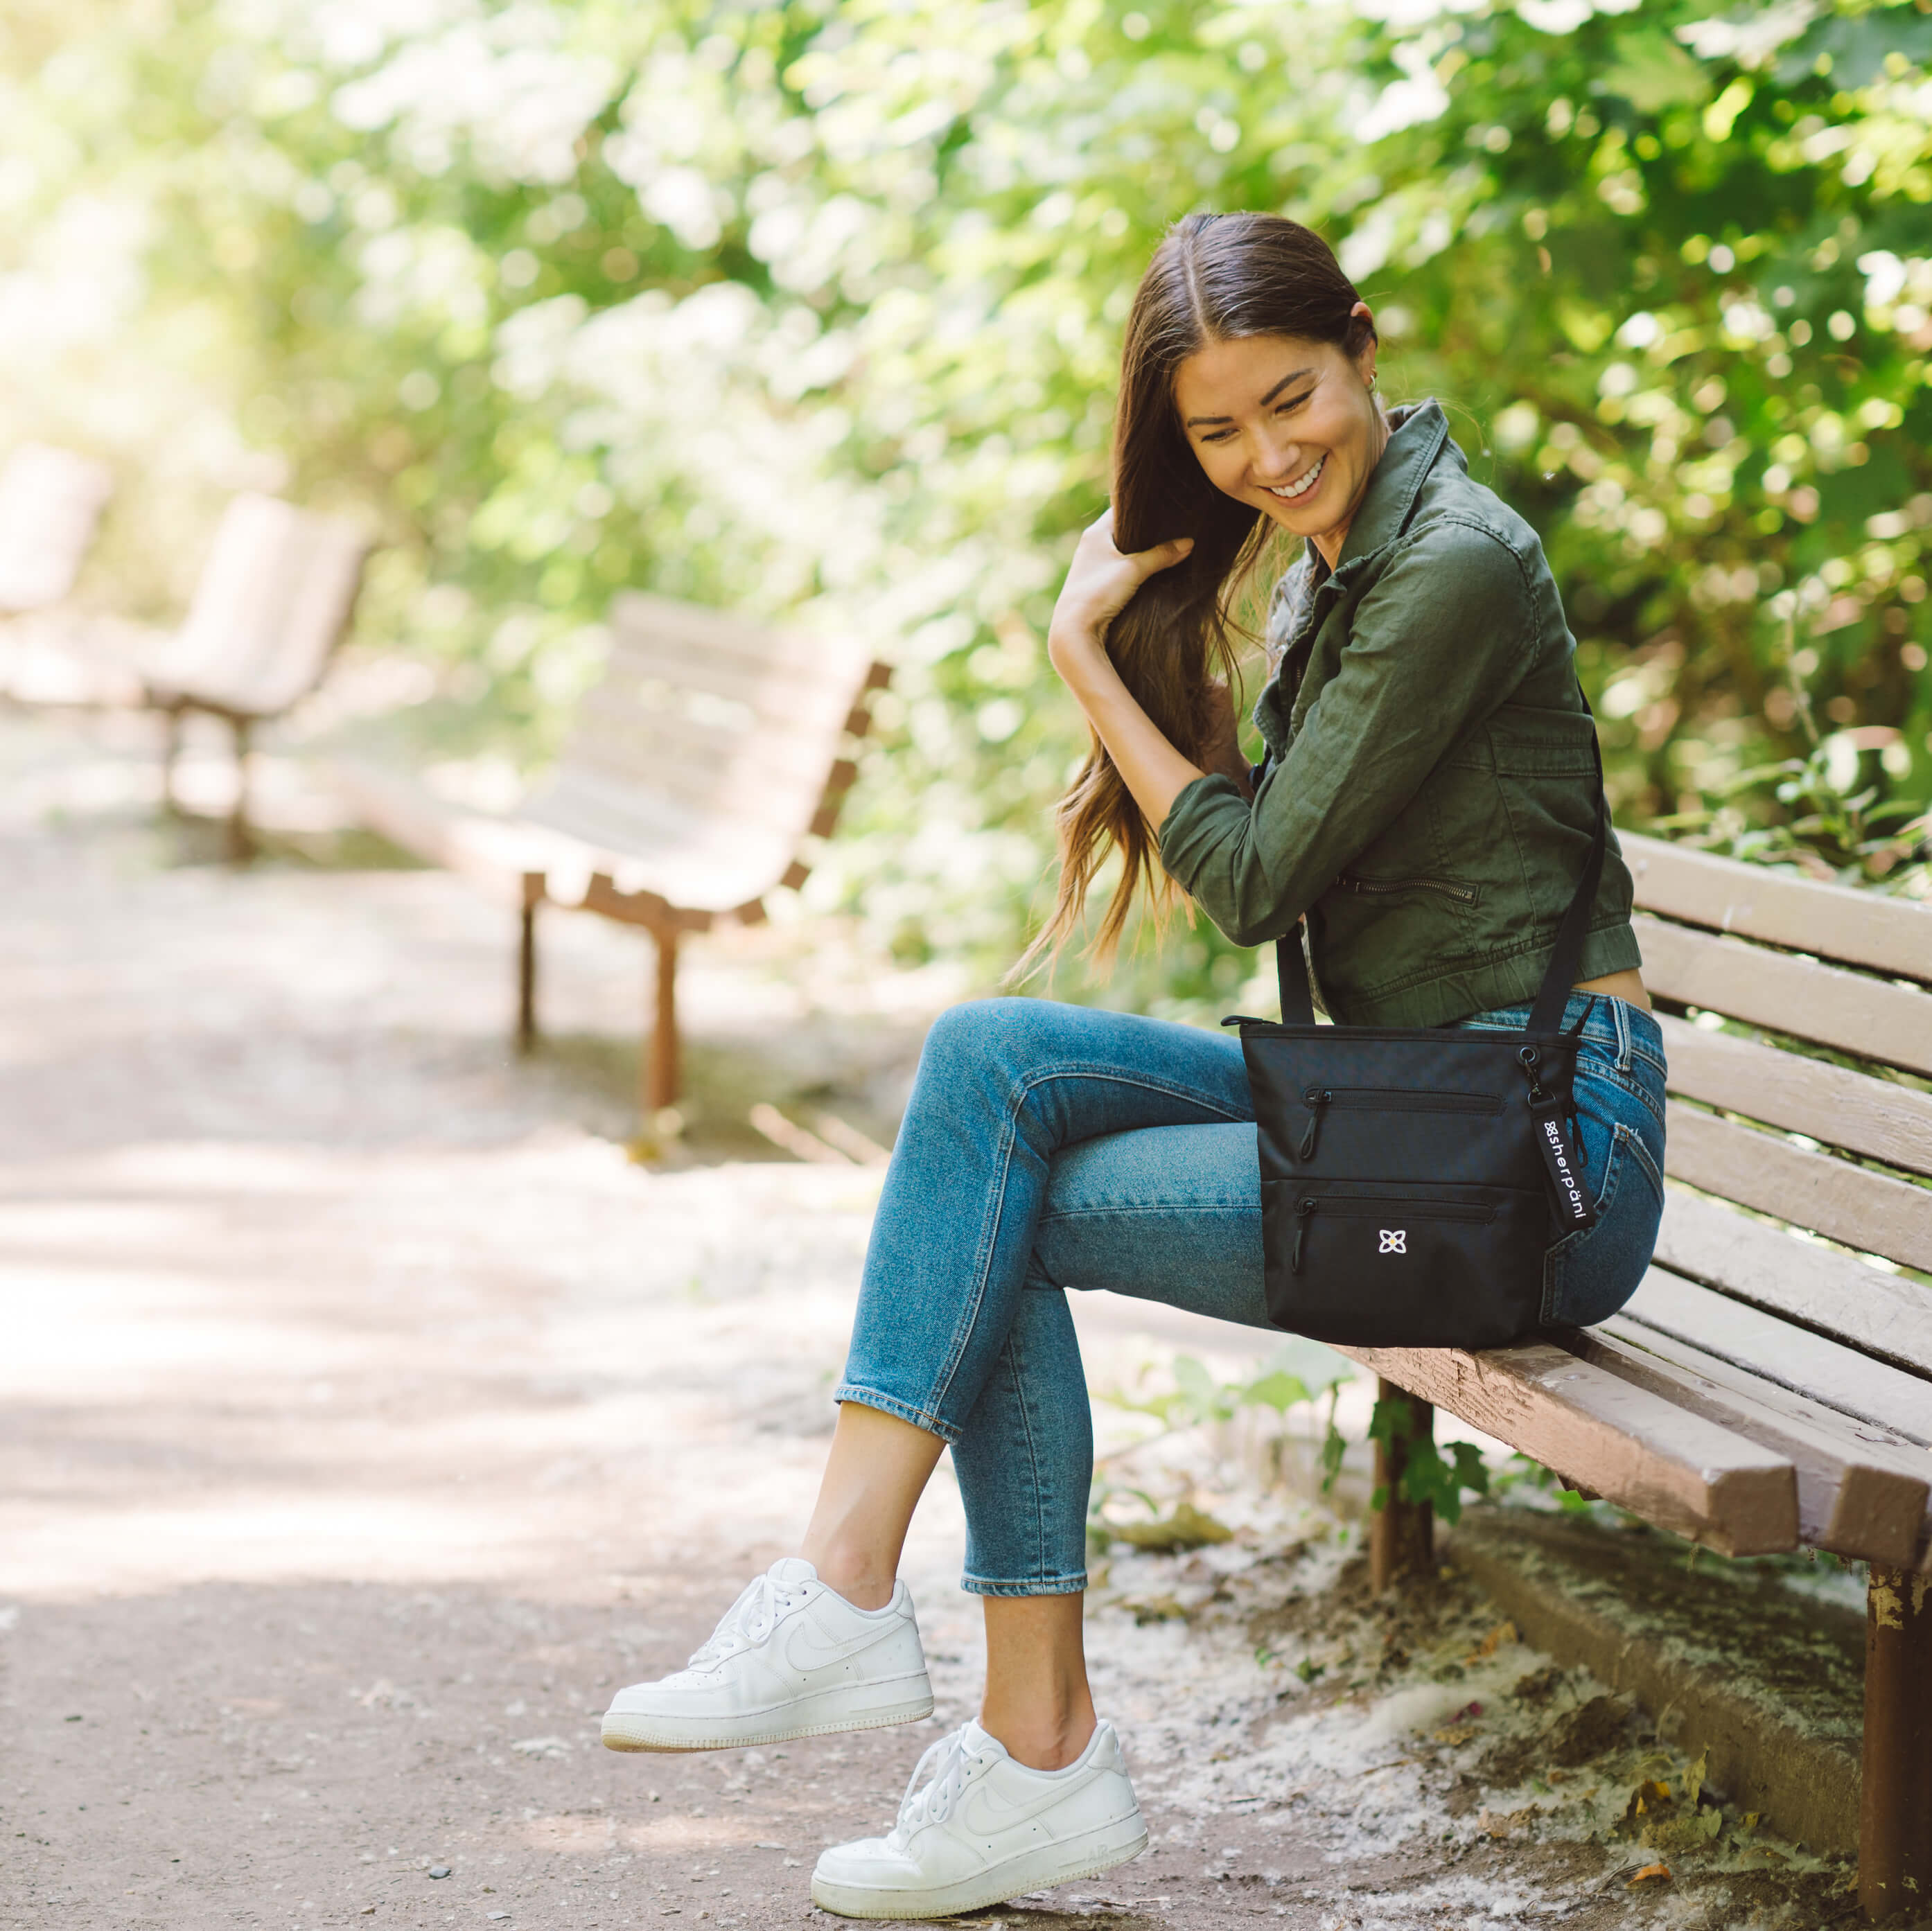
1396, 1265
1318, 1099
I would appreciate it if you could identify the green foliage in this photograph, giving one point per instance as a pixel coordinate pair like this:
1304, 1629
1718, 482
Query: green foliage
1426, 1476
813, 309
1299, 1372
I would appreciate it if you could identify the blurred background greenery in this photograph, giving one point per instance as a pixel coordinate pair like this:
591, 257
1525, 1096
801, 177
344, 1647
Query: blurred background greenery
812, 309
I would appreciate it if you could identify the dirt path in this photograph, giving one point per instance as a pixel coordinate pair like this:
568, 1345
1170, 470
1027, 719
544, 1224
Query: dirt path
366, 1417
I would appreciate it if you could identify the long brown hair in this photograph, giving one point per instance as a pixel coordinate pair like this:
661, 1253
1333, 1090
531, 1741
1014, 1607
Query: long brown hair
1214, 278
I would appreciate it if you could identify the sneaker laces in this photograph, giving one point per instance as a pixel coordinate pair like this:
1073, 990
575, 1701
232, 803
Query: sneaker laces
747, 1623
950, 1762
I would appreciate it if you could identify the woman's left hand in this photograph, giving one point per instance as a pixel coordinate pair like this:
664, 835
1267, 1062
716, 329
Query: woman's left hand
1100, 583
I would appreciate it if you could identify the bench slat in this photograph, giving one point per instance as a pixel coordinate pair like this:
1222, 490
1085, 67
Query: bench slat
751, 769
1832, 1196
1885, 1314
1861, 1491
766, 691
1806, 1363
1857, 1014
1862, 928
1672, 1468
1873, 1117
693, 641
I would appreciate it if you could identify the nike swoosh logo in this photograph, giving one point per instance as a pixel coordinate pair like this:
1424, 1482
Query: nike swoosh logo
806, 1649
985, 1814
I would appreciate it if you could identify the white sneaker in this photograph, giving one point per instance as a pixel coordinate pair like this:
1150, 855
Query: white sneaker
984, 1829
792, 1658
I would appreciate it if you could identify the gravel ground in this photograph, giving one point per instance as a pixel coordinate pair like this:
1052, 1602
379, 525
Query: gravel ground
367, 1416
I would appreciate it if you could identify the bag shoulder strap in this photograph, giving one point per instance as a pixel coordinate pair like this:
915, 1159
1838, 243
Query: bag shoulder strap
1291, 962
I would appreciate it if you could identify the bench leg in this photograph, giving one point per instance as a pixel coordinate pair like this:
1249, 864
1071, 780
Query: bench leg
526, 978
1895, 1796
660, 1079
1401, 1533
240, 840
171, 738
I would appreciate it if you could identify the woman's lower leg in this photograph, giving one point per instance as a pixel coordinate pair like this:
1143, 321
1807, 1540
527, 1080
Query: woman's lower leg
873, 1477
1037, 1702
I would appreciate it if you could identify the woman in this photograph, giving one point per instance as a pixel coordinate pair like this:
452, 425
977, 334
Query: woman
1426, 804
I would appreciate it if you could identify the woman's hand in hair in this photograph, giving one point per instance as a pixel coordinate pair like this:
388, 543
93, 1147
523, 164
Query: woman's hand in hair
1100, 583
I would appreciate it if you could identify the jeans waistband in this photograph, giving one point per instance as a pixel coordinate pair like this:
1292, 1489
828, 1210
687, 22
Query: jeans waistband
1624, 1030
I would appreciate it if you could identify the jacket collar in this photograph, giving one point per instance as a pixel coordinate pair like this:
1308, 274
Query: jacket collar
1418, 432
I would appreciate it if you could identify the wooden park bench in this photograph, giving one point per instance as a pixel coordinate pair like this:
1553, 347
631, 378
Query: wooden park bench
50, 500
274, 598
1764, 1390
691, 777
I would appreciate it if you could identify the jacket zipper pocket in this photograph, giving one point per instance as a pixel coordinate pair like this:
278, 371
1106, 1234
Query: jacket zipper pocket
1463, 895
1386, 1099
1381, 1208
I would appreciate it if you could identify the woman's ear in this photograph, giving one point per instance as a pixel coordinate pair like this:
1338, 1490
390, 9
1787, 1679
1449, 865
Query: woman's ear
1364, 342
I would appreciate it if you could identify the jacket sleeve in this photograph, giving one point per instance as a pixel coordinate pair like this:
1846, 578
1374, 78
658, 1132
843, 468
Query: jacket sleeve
1444, 635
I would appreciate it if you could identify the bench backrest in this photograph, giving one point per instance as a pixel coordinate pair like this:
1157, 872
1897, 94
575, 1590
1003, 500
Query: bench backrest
1818, 1116
50, 500
273, 600
709, 749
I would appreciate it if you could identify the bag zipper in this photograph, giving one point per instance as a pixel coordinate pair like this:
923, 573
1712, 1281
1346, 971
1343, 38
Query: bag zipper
1386, 1099
1359, 1207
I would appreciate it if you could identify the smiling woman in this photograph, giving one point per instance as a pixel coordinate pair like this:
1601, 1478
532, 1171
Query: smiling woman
1428, 804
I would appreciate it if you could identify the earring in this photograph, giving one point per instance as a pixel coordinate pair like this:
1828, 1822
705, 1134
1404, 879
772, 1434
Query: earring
1372, 378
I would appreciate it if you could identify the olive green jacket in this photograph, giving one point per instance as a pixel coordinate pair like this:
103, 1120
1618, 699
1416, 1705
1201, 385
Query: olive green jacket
1428, 794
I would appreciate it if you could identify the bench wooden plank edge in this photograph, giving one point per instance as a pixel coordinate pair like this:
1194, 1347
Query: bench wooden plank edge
1675, 1468
1839, 922
442, 834
1851, 1011
1877, 1117
1861, 1491
1843, 1202
1888, 1316
1773, 1349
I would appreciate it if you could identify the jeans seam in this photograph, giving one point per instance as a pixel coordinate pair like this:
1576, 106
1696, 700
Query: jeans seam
988, 1238
1038, 1487
1625, 1083
1635, 1139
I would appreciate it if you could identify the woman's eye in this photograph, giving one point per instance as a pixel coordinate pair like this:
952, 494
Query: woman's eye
1293, 402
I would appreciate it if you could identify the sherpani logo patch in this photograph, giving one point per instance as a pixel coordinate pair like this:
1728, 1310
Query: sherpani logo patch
1395, 1240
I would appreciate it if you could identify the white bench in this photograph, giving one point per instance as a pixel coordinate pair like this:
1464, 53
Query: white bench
50, 500
692, 778
1765, 1390
274, 598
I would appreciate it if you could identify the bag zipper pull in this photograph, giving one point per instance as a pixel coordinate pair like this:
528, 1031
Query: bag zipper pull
1314, 1098
1302, 1209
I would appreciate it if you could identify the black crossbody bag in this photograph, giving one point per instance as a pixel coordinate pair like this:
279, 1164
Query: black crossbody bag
1413, 1180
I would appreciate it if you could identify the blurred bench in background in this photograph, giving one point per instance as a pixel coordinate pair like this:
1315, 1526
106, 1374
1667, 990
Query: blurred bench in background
692, 775
50, 501
274, 598
1764, 1390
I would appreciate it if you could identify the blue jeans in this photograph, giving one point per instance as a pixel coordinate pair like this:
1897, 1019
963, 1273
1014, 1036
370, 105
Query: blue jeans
1049, 1146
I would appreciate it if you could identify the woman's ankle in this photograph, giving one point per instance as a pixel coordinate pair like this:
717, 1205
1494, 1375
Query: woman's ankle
861, 1582
1050, 1744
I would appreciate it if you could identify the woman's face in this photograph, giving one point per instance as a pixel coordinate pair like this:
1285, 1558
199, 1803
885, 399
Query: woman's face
1287, 425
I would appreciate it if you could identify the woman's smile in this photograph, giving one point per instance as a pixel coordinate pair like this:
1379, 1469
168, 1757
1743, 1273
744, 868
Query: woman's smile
1293, 491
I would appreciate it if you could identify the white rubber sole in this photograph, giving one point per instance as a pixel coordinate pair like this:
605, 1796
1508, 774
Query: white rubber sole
1084, 1856
878, 1706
